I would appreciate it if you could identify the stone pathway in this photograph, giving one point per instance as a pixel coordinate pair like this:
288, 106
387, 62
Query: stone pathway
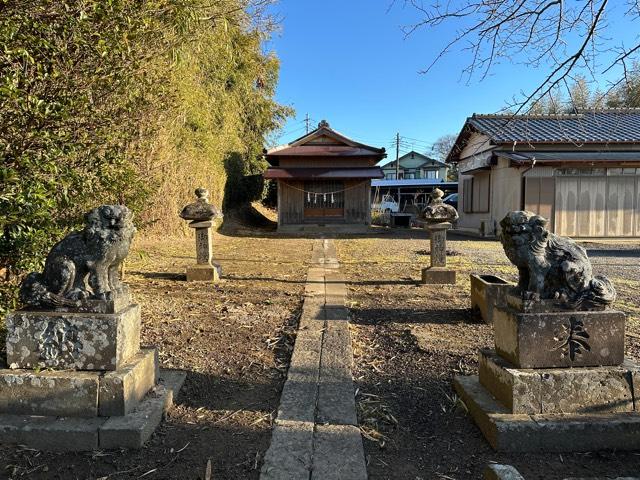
316, 435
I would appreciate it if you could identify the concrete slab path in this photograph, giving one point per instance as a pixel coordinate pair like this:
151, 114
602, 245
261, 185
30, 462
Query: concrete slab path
316, 434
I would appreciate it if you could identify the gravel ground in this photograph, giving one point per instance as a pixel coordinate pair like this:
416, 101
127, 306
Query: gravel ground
409, 342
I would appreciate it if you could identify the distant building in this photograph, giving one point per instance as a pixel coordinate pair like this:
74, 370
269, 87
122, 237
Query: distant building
324, 178
580, 171
415, 165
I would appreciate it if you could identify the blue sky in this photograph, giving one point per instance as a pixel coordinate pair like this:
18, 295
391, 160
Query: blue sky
347, 61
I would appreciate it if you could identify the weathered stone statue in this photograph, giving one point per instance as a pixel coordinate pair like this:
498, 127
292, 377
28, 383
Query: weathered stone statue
83, 265
552, 267
75, 376
438, 217
202, 214
557, 379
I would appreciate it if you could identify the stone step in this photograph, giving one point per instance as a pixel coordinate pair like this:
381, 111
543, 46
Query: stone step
69, 393
134, 429
121, 391
508, 432
54, 433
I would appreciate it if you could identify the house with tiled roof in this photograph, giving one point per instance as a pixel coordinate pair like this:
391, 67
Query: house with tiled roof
581, 171
414, 165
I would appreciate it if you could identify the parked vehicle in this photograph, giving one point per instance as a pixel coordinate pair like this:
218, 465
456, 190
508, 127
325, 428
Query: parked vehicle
452, 200
387, 205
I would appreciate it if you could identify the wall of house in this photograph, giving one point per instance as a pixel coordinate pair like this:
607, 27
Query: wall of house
476, 145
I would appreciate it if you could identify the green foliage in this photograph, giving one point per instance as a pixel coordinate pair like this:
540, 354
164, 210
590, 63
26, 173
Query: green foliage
115, 101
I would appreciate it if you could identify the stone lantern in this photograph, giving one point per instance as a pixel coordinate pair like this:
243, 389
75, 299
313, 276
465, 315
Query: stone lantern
202, 215
438, 218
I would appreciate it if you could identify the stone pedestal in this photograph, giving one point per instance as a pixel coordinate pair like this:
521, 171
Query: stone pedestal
557, 381
71, 374
204, 270
438, 273
72, 340
559, 339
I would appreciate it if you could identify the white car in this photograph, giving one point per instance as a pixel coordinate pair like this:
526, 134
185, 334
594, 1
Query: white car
387, 205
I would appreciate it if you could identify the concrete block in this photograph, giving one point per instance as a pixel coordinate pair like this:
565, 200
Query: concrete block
502, 472
300, 392
290, 451
72, 341
204, 273
438, 276
336, 402
338, 453
134, 429
55, 393
122, 390
559, 339
58, 434
488, 291
558, 390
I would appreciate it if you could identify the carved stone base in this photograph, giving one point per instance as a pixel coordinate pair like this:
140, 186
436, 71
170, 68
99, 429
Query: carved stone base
204, 273
118, 301
68, 393
507, 432
561, 390
72, 341
438, 276
559, 339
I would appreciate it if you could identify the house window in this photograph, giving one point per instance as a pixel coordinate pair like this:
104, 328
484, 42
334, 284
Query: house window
409, 175
389, 176
430, 174
467, 195
475, 194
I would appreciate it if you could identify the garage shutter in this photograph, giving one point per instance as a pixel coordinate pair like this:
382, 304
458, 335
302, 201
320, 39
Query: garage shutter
597, 205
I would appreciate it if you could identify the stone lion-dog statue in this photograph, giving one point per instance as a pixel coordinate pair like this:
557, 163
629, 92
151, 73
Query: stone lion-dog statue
84, 264
550, 266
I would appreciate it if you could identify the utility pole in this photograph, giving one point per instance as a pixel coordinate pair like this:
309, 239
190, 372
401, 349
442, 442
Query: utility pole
397, 156
307, 122
398, 163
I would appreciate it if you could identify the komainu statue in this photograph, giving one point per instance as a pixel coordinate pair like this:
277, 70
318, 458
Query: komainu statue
550, 266
83, 265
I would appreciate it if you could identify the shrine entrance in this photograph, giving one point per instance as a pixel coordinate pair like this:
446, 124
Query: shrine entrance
323, 200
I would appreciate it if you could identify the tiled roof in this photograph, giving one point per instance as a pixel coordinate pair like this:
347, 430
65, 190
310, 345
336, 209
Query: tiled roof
597, 126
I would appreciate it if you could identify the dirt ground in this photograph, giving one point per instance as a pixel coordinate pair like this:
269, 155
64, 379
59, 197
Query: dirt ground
409, 342
234, 342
